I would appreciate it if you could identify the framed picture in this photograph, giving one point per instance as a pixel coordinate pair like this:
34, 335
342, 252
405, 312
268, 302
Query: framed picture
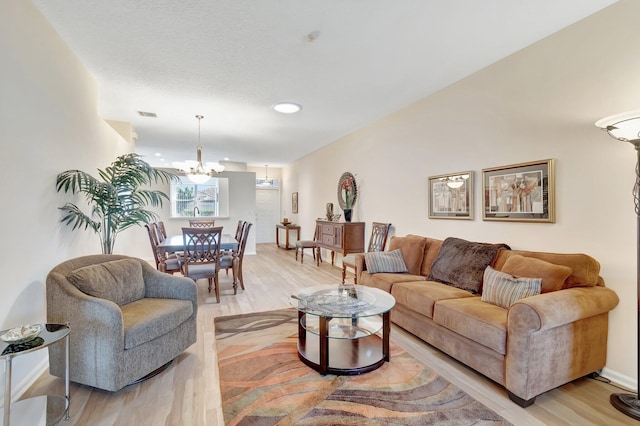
451, 196
294, 202
521, 192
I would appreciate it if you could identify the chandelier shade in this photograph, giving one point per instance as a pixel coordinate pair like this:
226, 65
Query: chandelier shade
196, 171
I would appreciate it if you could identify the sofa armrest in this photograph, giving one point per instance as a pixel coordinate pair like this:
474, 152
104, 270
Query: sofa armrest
554, 338
360, 264
549, 310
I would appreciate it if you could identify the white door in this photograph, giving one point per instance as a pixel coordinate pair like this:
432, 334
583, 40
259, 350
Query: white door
268, 214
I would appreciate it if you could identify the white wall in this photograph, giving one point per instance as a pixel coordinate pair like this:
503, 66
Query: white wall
536, 104
48, 123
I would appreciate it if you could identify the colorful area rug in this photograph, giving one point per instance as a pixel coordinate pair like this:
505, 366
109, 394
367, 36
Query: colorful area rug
263, 382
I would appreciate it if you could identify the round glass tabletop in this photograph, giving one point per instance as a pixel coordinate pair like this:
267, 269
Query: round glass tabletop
48, 334
342, 301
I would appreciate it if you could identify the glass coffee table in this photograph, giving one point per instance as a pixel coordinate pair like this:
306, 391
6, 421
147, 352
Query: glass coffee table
344, 328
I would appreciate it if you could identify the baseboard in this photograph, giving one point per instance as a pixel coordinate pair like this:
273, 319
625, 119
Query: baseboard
627, 382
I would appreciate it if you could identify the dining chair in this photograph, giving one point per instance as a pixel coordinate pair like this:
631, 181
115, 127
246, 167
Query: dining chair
237, 260
162, 232
240, 230
201, 258
301, 245
208, 223
377, 242
171, 261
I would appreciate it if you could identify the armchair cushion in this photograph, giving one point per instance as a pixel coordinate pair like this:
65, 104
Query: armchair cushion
149, 318
119, 281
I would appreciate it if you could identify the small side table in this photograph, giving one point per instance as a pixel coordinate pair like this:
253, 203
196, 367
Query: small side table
287, 228
55, 406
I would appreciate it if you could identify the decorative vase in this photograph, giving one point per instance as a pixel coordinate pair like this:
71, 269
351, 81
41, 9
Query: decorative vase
347, 215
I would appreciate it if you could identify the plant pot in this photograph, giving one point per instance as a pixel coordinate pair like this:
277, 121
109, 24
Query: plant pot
347, 215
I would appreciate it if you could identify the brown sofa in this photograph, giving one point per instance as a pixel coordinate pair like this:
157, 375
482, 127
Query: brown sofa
539, 343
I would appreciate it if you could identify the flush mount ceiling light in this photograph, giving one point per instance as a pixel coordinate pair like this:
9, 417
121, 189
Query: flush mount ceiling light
287, 107
195, 170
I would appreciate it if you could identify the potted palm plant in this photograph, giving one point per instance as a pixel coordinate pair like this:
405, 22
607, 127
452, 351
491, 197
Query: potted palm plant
117, 200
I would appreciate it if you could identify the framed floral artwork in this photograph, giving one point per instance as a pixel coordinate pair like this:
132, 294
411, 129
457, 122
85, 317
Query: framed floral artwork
294, 202
451, 196
520, 192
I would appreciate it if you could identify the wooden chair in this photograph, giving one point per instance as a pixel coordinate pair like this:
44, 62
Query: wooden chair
377, 242
201, 258
301, 245
240, 230
233, 260
162, 232
207, 223
172, 262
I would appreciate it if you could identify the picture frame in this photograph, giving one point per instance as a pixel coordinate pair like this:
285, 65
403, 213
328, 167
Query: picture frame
522, 192
294, 202
451, 196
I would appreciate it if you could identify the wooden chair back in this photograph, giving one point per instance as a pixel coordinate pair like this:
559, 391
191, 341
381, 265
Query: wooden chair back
153, 239
162, 232
201, 246
240, 230
208, 223
379, 234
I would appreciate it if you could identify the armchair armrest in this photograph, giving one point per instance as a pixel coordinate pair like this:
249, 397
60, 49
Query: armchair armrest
166, 286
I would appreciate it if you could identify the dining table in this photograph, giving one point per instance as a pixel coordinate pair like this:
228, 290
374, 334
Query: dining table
175, 243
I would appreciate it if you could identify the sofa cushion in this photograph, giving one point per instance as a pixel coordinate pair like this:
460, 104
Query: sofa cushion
150, 318
430, 253
386, 281
382, 261
461, 263
585, 268
421, 296
481, 322
412, 248
119, 281
504, 290
553, 276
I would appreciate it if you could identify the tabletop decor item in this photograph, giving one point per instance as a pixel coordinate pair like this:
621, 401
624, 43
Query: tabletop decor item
22, 334
117, 200
347, 194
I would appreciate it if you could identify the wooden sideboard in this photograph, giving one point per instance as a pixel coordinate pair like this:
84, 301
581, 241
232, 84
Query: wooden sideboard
341, 237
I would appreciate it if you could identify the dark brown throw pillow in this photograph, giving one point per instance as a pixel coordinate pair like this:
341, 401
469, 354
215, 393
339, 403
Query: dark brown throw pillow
461, 263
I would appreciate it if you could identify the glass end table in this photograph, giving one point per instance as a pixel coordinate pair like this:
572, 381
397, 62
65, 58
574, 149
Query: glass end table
49, 408
343, 329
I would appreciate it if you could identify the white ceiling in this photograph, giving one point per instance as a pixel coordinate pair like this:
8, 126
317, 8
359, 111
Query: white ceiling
231, 60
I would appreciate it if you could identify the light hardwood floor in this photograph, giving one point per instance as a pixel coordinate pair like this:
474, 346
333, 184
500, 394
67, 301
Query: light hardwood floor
187, 393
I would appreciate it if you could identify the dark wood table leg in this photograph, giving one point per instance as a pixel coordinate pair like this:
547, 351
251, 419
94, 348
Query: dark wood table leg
386, 330
302, 333
277, 237
324, 344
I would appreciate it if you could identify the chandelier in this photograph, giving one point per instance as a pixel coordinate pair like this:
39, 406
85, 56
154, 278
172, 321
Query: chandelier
266, 181
195, 170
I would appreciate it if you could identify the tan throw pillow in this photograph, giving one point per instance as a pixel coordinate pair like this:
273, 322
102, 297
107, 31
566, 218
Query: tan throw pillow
412, 251
380, 261
119, 281
504, 290
553, 276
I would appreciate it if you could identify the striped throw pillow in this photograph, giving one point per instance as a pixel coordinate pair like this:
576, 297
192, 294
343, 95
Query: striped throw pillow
504, 290
381, 261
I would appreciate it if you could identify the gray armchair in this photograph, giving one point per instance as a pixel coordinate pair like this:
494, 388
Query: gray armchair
126, 318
